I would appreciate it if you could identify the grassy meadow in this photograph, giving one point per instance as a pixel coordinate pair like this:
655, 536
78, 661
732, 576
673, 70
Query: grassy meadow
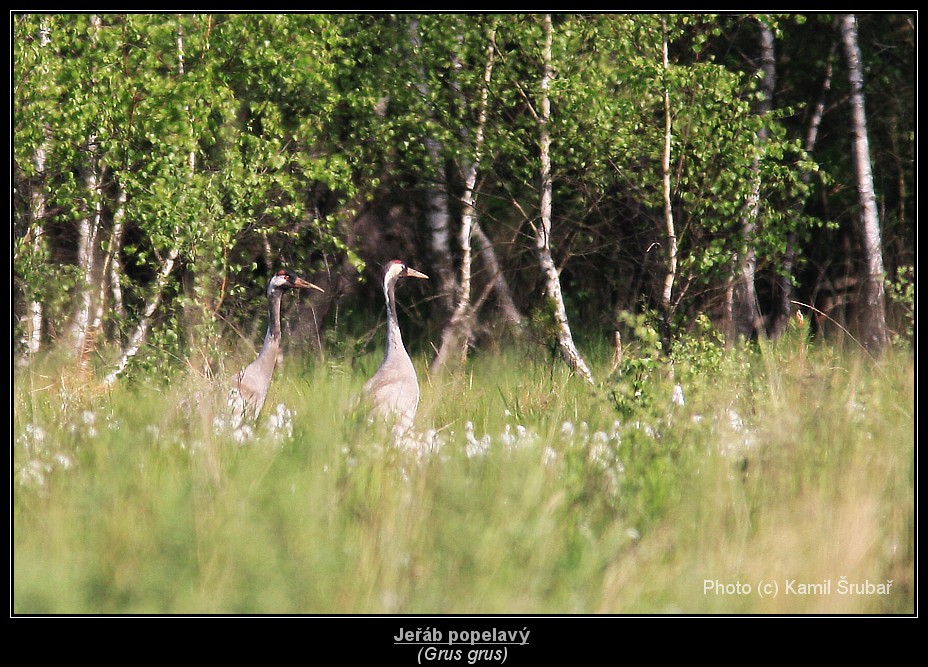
784, 484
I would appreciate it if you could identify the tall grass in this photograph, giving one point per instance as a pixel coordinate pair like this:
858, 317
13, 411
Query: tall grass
524, 492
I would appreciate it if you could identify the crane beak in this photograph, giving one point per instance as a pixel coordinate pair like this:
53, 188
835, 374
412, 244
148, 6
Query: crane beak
305, 284
412, 273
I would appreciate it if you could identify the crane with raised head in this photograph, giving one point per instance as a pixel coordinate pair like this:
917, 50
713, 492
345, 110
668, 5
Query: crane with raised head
249, 389
393, 391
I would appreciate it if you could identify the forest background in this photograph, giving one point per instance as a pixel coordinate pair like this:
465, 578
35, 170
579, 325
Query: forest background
556, 176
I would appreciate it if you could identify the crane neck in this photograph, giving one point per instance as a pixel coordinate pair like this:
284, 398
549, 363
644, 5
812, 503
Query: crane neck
394, 335
272, 338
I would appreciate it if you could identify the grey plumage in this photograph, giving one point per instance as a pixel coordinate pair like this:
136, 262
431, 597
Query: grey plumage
393, 391
249, 389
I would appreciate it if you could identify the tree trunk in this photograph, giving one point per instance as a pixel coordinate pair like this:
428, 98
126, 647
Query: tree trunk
141, 330
108, 270
872, 315
543, 232
88, 229
458, 331
487, 255
33, 333
746, 316
119, 216
666, 296
437, 214
438, 218
137, 339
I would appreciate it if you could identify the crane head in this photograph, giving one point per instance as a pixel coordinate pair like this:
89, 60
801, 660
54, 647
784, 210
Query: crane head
398, 269
286, 279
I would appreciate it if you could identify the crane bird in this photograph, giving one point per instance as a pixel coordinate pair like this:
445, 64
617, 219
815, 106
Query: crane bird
249, 389
393, 391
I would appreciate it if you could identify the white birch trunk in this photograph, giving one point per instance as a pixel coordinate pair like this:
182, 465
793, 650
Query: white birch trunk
457, 332
110, 259
543, 232
140, 333
438, 218
137, 339
33, 333
437, 214
873, 315
119, 216
37, 232
459, 329
88, 228
487, 252
745, 309
666, 296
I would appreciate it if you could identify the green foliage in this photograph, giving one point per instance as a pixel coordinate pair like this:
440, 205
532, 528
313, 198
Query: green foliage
636, 377
902, 292
701, 351
208, 138
241, 140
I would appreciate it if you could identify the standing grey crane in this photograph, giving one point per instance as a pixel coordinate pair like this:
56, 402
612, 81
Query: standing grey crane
394, 389
249, 389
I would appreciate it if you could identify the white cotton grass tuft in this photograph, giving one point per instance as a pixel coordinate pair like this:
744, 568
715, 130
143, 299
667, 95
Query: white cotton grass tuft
34, 473
42, 457
219, 425
475, 446
36, 434
735, 421
597, 446
280, 422
733, 433
64, 461
506, 437
243, 434
856, 410
422, 445
275, 427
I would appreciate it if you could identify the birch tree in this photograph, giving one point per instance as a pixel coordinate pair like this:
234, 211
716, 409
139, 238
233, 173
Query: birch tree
746, 315
485, 249
457, 333
110, 282
667, 294
33, 244
88, 231
91, 219
543, 230
36, 239
872, 320
167, 263
437, 214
